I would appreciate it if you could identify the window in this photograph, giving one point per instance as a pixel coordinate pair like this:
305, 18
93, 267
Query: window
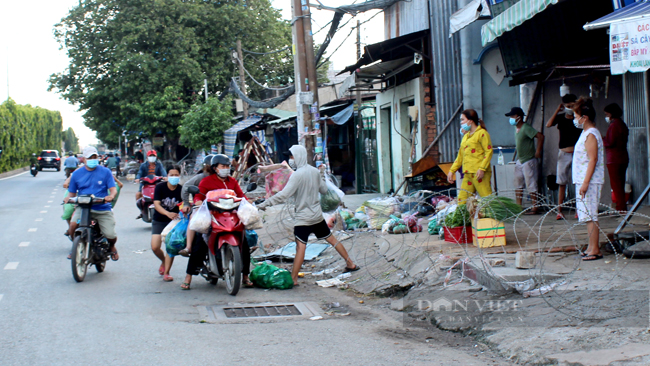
49, 154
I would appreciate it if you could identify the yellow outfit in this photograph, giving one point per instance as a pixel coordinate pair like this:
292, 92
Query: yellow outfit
475, 154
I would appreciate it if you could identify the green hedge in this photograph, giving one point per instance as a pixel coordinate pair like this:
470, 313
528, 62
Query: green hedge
25, 130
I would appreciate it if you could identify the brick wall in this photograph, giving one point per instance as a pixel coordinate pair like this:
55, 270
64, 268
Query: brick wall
431, 131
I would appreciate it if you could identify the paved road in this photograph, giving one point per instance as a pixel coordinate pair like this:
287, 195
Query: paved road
129, 316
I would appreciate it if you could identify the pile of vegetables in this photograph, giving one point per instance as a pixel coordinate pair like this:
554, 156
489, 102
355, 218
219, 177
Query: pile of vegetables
460, 217
498, 208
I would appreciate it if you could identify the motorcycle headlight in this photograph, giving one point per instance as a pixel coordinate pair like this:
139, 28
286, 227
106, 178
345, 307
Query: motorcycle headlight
84, 200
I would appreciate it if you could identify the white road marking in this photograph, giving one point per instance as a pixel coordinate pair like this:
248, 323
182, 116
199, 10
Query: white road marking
47, 206
43, 211
50, 201
11, 265
51, 196
39, 219
24, 244
17, 175
32, 230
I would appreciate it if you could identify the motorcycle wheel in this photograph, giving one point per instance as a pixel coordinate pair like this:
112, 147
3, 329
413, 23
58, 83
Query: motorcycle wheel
232, 272
78, 259
100, 266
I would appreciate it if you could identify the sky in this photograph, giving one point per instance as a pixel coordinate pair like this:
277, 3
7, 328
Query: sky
29, 53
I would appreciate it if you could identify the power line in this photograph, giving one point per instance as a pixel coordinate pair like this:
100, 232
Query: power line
346, 37
257, 82
266, 53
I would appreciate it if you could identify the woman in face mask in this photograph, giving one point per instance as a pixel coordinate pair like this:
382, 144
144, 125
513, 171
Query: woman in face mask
474, 157
615, 142
220, 180
166, 200
588, 173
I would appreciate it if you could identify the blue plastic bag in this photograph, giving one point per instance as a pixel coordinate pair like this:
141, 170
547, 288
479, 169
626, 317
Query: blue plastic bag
251, 238
176, 240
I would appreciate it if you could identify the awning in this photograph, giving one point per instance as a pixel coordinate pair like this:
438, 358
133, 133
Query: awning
636, 11
230, 136
468, 15
283, 122
512, 17
343, 116
380, 71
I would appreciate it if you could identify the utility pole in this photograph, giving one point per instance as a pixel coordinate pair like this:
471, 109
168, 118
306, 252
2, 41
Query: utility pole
242, 77
303, 100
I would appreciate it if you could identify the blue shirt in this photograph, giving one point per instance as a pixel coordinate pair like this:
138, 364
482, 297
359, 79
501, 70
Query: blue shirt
96, 182
71, 162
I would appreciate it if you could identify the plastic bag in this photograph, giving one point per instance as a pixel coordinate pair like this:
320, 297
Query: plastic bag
176, 240
276, 180
269, 276
168, 229
201, 219
251, 238
379, 210
332, 187
249, 215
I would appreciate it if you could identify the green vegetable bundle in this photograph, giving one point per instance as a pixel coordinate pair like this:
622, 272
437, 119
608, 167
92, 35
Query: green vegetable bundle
460, 217
499, 208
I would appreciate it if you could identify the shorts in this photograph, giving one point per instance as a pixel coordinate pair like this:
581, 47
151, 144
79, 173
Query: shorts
105, 220
157, 227
526, 175
588, 207
321, 230
564, 160
68, 211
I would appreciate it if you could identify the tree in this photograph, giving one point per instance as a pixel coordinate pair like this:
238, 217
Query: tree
138, 65
70, 140
205, 123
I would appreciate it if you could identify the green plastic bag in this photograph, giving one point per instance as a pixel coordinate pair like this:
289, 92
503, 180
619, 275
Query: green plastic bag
269, 276
434, 228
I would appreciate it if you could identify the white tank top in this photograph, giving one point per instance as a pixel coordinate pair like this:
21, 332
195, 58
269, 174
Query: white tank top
581, 159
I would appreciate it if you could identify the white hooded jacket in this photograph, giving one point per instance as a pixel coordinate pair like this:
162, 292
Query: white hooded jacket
304, 185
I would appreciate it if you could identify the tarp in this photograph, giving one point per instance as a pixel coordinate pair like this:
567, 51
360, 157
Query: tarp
636, 11
230, 136
511, 18
343, 116
289, 252
468, 15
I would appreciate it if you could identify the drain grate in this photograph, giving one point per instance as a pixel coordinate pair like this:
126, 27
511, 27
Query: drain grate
261, 311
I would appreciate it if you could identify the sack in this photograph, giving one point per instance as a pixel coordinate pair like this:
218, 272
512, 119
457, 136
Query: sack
201, 219
269, 276
169, 228
249, 215
177, 237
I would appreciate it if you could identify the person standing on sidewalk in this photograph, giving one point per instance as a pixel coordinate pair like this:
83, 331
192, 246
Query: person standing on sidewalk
588, 173
304, 185
615, 142
569, 135
474, 155
526, 169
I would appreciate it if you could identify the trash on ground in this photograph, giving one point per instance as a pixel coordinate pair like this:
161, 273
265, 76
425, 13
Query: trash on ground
289, 252
330, 283
269, 276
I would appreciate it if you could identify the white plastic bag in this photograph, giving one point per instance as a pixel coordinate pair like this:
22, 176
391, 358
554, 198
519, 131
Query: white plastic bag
201, 219
169, 228
249, 215
331, 186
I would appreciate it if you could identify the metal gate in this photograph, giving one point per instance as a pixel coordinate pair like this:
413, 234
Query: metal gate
636, 116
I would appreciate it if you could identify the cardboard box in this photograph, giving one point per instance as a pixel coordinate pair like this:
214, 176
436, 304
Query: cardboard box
488, 233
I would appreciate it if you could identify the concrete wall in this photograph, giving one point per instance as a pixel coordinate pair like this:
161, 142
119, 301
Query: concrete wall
393, 150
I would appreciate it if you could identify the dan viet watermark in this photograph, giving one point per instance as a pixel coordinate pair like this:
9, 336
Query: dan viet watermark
461, 309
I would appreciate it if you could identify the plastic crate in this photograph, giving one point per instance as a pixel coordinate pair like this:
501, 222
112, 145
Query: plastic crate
460, 234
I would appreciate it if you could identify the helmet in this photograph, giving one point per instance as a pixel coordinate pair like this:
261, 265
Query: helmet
220, 159
208, 160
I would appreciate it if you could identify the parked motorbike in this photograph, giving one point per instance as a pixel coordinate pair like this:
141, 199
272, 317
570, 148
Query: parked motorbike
145, 204
89, 246
33, 169
226, 239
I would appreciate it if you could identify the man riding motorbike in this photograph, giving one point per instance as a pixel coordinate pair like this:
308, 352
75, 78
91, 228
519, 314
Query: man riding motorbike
113, 163
151, 167
98, 181
70, 164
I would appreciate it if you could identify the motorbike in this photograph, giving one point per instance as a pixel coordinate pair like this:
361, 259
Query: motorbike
89, 246
225, 240
145, 204
33, 169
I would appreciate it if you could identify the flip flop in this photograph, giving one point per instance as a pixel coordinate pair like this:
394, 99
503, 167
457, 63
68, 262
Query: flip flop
185, 286
161, 269
356, 268
248, 284
559, 216
114, 256
168, 278
592, 257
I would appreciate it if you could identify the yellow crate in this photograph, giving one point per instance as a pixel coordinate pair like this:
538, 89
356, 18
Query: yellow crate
488, 233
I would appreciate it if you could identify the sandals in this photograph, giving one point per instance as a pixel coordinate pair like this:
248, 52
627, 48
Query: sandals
161, 269
114, 255
356, 268
185, 286
592, 257
168, 278
248, 284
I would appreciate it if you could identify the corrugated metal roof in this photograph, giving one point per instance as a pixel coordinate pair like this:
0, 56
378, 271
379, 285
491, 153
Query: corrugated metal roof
275, 112
405, 17
636, 11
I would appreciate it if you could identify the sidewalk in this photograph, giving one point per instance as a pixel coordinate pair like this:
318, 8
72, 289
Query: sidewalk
14, 172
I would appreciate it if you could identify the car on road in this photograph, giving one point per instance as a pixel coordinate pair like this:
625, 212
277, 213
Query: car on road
49, 159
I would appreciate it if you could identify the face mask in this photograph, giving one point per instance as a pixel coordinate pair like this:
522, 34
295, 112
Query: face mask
513, 121
607, 120
223, 172
152, 159
174, 180
462, 132
576, 122
292, 163
92, 163
466, 127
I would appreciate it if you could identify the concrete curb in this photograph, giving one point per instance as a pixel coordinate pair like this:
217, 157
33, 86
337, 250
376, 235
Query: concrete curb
14, 172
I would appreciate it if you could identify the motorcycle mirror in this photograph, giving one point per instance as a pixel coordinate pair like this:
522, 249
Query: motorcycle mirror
193, 189
251, 187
